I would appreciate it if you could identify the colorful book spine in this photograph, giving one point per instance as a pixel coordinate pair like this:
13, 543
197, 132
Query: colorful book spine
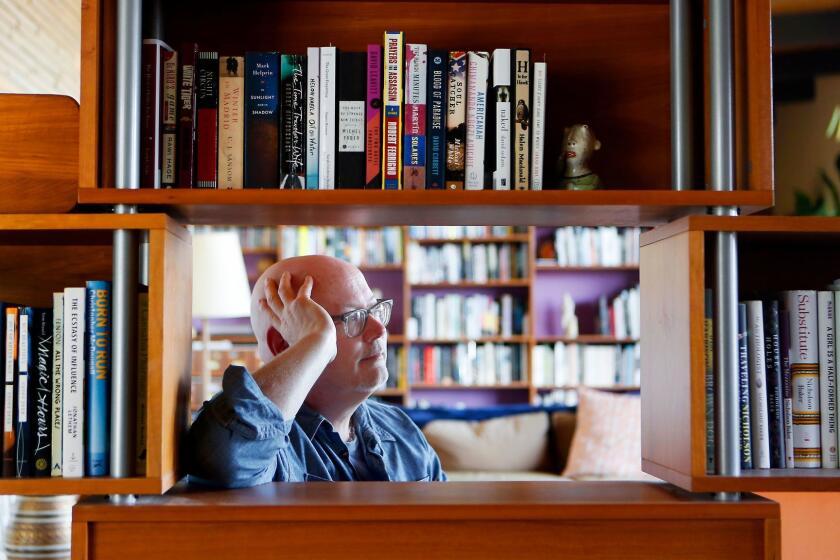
709, 346
521, 72
775, 406
828, 381
186, 118
41, 388
292, 123
328, 108
207, 134
392, 101
538, 126
787, 385
142, 381
10, 315
98, 383
151, 105
58, 362
313, 99
23, 443
478, 64
373, 119
436, 127
350, 156
414, 140
456, 121
805, 378
261, 120
502, 121
760, 427
744, 388
169, 116
73, 384
231, 122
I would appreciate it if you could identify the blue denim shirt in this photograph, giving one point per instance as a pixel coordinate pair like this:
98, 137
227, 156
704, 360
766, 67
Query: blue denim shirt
240, 438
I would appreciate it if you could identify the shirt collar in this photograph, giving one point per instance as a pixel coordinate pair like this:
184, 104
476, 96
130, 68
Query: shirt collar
310, 421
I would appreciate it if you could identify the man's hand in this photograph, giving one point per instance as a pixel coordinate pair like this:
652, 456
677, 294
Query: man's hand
297, 317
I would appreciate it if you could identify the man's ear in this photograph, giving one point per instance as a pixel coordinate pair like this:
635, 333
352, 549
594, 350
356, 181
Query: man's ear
276, 342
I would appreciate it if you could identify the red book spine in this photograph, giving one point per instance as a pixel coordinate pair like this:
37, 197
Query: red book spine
187, 117
373, 132
208, 114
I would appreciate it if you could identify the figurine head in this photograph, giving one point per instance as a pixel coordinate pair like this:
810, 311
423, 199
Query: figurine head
578, 144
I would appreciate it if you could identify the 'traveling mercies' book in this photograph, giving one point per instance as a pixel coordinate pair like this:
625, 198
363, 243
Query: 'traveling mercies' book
313, 99
328, 118
373, 119
502, 120
231, 122
41, 391
521, 59
350, 160
169, 116
744, 388
414, 148
207, 133
58, 362
98, 378
456, 121
186, 118
292, 121
392, 99
73, 383
478, 64
828, 388
262, 70
758, 385
436, 127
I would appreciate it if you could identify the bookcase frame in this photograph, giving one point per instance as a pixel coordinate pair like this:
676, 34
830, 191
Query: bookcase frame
42, 253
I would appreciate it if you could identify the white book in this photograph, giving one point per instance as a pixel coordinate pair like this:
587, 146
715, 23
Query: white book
313, 104
73, 383
828, 382
759, 423
501, 91
478, 66
327, 112
538, 125
805, 377
56, 408
836, 288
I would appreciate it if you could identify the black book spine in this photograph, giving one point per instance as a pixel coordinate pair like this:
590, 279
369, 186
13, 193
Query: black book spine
23, 444
350, 130
292, 121
41, 387
773, 364
436, 127
262, 72
744, 388
708, 323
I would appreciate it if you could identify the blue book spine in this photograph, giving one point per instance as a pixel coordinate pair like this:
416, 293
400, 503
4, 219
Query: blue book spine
262, 142
98, 385
436, 128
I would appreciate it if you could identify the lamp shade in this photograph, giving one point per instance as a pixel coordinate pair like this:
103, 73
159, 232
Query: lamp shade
220, 283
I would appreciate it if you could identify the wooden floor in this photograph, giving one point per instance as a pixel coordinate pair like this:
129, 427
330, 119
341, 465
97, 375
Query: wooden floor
421, 520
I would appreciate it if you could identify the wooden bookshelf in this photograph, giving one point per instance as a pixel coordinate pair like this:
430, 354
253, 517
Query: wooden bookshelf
513, 238
611, 388
576, 269
480, 340
455, 386
585, 339
515, 283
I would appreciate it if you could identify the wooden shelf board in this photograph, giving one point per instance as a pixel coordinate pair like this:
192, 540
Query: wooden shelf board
506, 339
84, 486
515, 238
615, 388
389, 392
518, 283
259, 250
360, 207
586, 339
754, 480
745, 224
455, 387
558, 268
381, 267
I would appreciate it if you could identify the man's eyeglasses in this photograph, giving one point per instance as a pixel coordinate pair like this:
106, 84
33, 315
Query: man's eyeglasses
355, 321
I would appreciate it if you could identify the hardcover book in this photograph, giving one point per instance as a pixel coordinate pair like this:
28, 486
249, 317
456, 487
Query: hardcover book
169, 116
758, 386
261, 120
73, 383
328, 106
538, 125
521, 152
56, 422
709, 346
436, 127
744, 388
774, 384
23, 437
373, 119
501, 119
313, 99
478, 68
456, 121
350, 161
41, 392
414, 140
828, 381
231, 122
98, 383
207, 134
11, 356
186, 118
787, 385
292, 123
393, 121
151, 106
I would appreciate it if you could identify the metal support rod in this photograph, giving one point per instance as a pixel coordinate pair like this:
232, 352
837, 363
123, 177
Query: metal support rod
720, 70
682, 148
125, 255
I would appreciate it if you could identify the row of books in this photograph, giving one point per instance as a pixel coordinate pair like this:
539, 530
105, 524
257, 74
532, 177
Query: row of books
396, 116
369, 247
394, 363
455, 316
257, 237
787, 379
468, 364
467, 262
601, 246
570, 364
621, 316
460, 232
56, 390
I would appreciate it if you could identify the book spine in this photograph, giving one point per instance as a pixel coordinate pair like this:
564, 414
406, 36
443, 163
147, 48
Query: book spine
231, 162
828, 386
805, 378
58, 361
538, 126
775, 406
98, 373
787, 386
142, 381
744, 388
478, 68
208, 113
292, 124
313, 99
350, 157
328, 109
760, 426
23, 444
392, 98
456, 121
169, 116
436, 127
186, 118
11, 342
501, 98
151, 92
373, 118
73, 381
709, 340
414, 141
521, 73
261, 120
41, 388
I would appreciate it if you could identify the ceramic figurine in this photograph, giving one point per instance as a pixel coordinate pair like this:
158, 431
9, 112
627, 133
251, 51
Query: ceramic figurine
568, 319
579, 143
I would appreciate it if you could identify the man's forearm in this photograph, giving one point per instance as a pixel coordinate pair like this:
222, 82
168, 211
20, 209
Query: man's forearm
287, 379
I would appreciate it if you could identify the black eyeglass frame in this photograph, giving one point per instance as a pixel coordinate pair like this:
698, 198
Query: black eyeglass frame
344, 316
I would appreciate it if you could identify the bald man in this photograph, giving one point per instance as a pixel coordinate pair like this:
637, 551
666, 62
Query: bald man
304, 415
